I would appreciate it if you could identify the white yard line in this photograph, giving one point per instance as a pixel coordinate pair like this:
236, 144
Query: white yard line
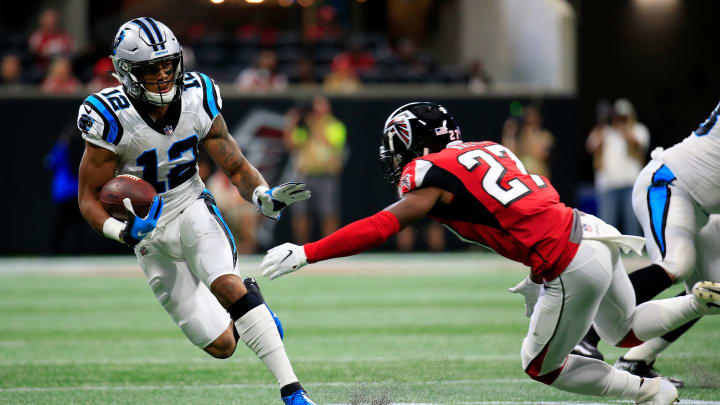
373, 263
342, 359
333, 384
252, 360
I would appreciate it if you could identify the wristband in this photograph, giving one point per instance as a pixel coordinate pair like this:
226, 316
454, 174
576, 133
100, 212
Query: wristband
256, 194
112, 228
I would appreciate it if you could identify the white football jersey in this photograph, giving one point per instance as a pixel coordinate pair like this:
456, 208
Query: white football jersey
696, 163
164, 157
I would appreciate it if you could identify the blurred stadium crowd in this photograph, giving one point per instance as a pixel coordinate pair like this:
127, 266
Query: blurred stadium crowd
254, 55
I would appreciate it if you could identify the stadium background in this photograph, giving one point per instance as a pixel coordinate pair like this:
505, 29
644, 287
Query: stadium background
561, 55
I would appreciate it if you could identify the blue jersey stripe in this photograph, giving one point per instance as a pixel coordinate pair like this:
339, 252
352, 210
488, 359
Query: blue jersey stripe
115, 131
209, 89
160, 38
149, 34
212, 207
658, 199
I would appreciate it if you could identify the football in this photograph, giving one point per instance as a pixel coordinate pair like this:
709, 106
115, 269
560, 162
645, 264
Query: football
139, 191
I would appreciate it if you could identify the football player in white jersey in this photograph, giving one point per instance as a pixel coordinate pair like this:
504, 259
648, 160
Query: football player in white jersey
673, 199
151, 127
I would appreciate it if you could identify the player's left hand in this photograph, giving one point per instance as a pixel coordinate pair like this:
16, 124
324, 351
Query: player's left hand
137, 228
283, 259
531, 291
271, 201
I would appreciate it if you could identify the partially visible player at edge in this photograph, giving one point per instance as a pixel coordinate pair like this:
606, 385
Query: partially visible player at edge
151, 127
676, 199
482, 192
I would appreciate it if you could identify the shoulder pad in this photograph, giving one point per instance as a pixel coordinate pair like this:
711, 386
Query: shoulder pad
104, 120
211, 100
413, 175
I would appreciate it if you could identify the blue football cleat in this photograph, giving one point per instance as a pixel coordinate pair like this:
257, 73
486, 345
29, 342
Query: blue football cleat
299, 397
252, 286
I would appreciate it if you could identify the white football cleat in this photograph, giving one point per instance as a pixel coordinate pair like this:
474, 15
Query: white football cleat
657, 391
708, 294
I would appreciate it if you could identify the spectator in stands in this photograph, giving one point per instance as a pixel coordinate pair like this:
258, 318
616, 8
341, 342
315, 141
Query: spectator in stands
618, 149
433, 231
411, 62
326, 25
510, 134
10, 72
342, 78
64, 162
49, 41
102, 77
318, 140
479, 79
263, 75
60, 78
356, 56
534, 142
305, 72
524, 135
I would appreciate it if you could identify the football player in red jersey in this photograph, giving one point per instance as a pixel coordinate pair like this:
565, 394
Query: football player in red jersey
482, 192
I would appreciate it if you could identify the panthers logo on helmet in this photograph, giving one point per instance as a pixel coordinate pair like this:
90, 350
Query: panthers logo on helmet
117, 41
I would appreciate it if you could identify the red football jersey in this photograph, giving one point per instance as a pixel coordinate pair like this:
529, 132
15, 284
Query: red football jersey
498, 204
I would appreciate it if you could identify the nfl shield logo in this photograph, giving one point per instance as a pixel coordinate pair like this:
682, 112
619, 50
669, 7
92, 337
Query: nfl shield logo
168, 130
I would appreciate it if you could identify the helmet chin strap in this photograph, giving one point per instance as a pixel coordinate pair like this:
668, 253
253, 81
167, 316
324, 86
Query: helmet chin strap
158, 98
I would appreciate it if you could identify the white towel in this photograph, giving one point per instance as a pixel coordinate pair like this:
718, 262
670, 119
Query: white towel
595, 228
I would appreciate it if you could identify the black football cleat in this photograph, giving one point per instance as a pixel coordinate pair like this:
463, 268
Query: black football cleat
641, 368
587, 349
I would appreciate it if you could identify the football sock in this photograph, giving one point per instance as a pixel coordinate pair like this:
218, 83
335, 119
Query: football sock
674, 334
649, 282
657, 317
290, 389
257, 329
592, 337
648, 350
583, 375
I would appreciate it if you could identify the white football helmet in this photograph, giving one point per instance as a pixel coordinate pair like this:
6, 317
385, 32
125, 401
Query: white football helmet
141, 42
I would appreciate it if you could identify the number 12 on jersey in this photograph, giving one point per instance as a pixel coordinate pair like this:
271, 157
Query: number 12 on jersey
497, 172
179, 173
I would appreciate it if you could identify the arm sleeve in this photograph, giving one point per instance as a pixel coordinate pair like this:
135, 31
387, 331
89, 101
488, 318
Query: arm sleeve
354, 238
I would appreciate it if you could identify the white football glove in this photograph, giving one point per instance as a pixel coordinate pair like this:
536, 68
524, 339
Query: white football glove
270, 201
283, 259
531, 291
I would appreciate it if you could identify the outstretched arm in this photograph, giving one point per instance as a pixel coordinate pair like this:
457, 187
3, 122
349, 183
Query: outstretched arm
356, 237
227, 154
248, 180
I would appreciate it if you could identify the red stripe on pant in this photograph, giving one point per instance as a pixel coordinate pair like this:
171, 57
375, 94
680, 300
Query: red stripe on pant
630, 340
535, 367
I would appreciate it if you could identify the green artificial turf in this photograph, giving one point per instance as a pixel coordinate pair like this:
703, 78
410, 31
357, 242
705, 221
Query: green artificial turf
441, 336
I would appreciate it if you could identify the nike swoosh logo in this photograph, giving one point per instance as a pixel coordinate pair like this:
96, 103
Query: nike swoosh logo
141, 234
288, 255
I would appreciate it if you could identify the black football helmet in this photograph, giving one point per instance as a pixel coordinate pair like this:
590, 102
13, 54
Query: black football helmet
414, 130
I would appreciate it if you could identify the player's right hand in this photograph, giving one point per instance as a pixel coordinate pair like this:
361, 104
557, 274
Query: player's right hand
283, 259
531, 291
136, 228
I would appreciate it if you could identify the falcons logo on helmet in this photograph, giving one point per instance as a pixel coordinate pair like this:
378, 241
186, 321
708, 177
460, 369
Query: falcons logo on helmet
400, 127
